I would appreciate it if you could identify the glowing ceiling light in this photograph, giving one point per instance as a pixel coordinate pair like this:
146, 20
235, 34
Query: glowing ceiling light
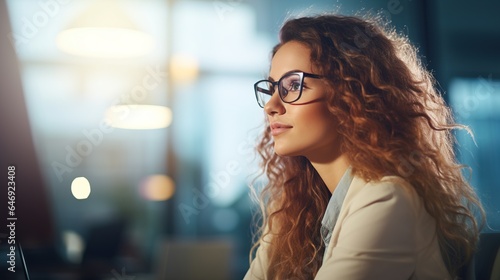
104, 30
104, 42
139, 116
80, 188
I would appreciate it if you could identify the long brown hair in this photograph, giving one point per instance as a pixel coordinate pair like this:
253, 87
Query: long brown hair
392, 121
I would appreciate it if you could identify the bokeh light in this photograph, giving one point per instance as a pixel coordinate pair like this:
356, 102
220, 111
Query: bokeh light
74, 246
184, 68
139, 116
157, 188
80, 188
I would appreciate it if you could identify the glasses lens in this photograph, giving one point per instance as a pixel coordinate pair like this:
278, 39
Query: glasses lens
290, 87
264, 91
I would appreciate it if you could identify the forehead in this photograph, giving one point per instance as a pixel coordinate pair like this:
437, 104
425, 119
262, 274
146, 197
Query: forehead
291, 56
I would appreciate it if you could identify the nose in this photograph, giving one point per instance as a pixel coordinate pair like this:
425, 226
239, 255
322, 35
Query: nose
274, 105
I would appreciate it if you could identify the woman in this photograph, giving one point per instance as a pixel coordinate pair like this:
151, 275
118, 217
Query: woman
363, 181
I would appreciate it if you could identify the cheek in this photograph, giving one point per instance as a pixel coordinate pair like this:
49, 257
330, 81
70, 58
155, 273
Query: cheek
317, 121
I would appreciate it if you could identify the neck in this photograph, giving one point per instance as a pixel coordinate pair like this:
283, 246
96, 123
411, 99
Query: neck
331, 171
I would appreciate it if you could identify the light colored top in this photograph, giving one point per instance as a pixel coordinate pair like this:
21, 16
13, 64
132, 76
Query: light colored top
383, 232
334, 205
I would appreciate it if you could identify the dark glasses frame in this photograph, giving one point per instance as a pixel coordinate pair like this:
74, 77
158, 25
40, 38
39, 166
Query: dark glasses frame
281, 90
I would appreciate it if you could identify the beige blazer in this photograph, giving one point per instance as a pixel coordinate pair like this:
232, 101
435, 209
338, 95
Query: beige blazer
383, 232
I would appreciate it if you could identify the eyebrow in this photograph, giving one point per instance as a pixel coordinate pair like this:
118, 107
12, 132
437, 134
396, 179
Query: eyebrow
286, 73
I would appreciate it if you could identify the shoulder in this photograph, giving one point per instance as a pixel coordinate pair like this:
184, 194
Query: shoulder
390, 194
388, 187
381, 230
379, 214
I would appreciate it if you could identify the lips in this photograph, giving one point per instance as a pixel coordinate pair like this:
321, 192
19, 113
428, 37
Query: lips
278, 128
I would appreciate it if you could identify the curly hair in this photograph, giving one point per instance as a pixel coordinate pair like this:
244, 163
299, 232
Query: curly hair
393, 121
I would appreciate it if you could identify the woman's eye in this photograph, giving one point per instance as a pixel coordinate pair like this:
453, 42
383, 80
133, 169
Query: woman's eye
294, 86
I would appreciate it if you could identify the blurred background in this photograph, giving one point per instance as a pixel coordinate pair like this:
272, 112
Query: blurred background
131, 124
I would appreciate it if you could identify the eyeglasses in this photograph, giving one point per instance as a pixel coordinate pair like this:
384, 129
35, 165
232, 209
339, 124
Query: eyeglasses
289, 87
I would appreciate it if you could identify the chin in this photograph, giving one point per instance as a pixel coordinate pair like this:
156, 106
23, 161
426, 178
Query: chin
286, 152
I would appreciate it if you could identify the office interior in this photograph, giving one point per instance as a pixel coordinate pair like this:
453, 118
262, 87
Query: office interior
102, 192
